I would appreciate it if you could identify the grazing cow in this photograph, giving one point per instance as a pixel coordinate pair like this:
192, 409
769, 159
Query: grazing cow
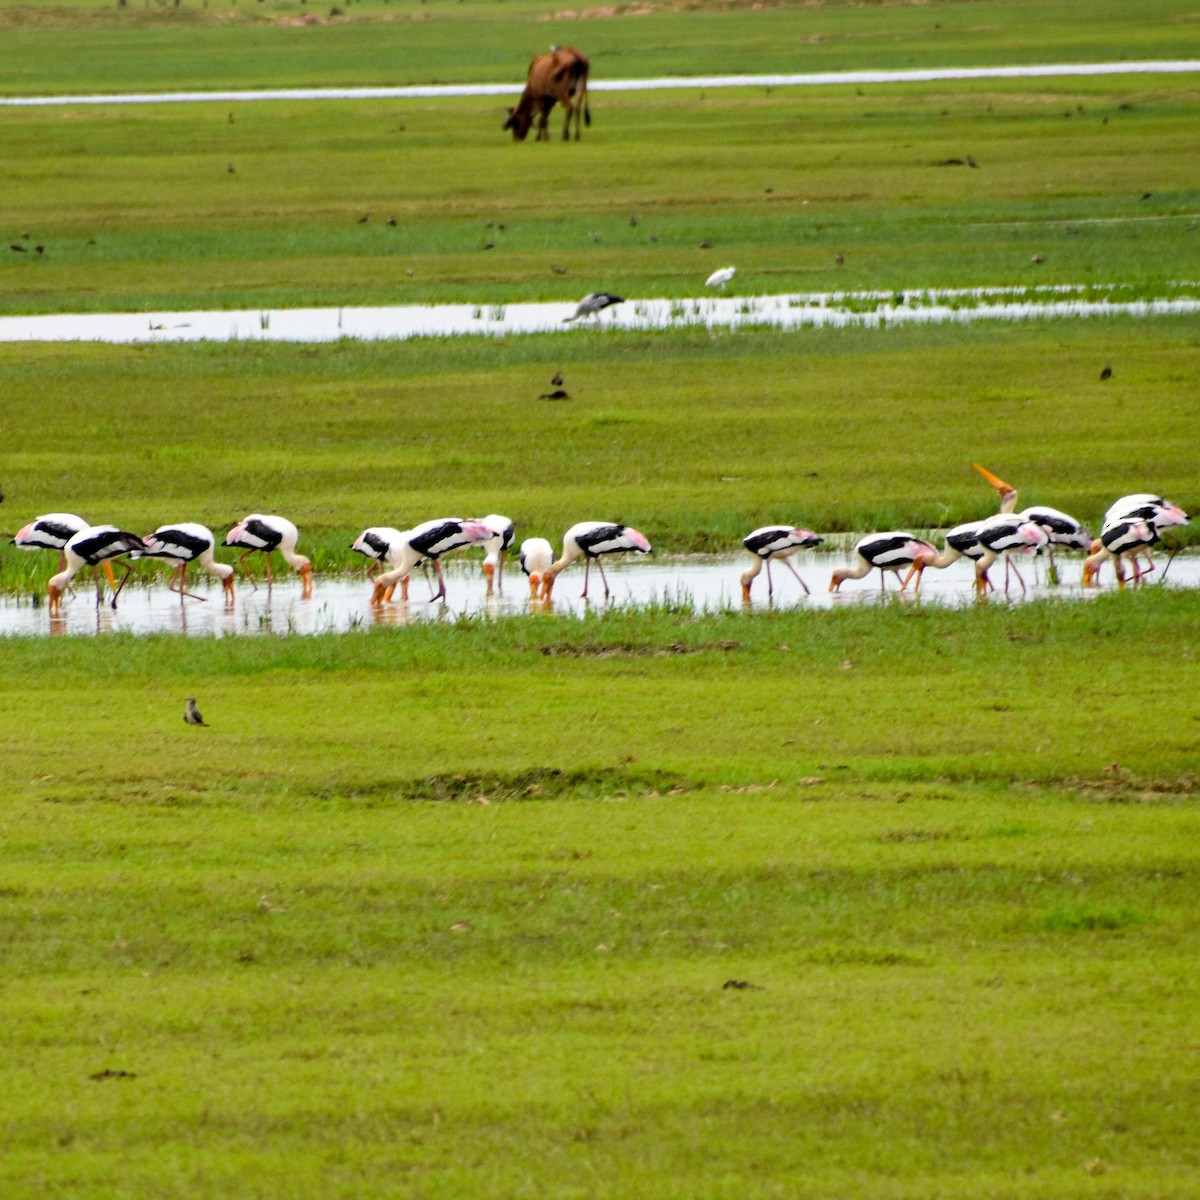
561, 77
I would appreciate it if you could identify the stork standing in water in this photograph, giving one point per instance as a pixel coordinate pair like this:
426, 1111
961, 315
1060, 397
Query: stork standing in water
591, 539
88, 548
1144, 506
428, 542
1061, 528
381, 543
493, 563
1125, 535
960, 542
267, 534
53, 531
1006, 533
777, 542
891, 551
536, 557
184, 544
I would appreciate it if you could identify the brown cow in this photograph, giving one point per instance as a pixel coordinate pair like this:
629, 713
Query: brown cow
561, 77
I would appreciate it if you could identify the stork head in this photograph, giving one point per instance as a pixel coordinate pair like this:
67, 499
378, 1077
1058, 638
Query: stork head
548, 578
304, 570
55, 589
1008, 494
837, 580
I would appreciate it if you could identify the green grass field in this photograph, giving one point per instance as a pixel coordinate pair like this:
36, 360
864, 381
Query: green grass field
449, 910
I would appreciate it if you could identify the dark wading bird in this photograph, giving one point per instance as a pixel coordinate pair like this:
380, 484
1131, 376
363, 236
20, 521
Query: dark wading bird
593, 304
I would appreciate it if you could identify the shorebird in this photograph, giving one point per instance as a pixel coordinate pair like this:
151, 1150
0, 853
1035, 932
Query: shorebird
775, 542
191, 714
591, 539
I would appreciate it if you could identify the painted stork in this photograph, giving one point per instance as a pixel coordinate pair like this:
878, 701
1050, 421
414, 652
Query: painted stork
428, 542
267, 534
493, 563
1061, 528
778, 542
381, 543
1125, 535
960, 542
536, 556
184, 544
1145, 506
891, 551
88, 548
591, 539
1006, 533
53, 531
593, 304
720, 278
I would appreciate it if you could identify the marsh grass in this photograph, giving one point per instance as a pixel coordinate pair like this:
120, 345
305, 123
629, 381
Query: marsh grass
846, 885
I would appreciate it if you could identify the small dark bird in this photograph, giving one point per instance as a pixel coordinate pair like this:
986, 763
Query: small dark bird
1106, 373
840, 258
633, 220
972, 163
391, 220
231, 169
364, 218
489, 245
706, 245
557, 380
559, 270
1147, 195
17, 247
593, 304
191, 714
557, 394
1038, 258
40, 248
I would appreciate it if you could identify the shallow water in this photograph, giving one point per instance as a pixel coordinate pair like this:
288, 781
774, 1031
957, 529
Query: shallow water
708, 583
785, 311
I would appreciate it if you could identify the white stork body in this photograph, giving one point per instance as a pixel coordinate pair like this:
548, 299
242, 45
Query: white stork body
720, 278
267, 534
591, 539
593, 304
1145, 506
89, 548
184, 544
778, 542
891, 551
1125, 535
1006, 534
428, 542
52, 531
536, 557
503, 531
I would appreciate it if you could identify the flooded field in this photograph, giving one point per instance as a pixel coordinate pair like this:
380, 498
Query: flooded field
784, 311
703, 582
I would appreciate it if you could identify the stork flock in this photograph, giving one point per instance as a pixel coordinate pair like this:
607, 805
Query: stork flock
1131, 526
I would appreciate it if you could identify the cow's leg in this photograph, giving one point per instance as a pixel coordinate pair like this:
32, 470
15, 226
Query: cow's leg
567, 123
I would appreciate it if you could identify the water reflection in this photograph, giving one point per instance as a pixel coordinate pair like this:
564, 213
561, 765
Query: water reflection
339, 604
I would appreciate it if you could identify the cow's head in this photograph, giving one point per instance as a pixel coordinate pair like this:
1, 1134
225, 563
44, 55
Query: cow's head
519, 121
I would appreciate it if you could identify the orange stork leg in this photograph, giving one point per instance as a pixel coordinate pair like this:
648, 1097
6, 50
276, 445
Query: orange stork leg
245, 571
180, 577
